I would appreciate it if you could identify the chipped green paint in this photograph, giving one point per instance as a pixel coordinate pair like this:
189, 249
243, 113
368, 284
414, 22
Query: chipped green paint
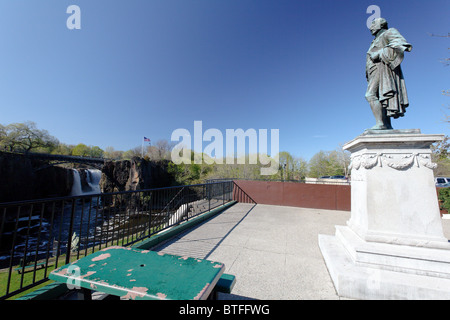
142, 274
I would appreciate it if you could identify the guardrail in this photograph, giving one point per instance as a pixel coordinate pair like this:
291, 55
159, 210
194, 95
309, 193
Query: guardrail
37, 236
333, 181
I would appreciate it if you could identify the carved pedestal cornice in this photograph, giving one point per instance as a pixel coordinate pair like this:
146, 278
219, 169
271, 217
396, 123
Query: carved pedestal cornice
395, 161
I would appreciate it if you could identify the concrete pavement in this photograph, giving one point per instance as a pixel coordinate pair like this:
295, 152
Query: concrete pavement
272, 250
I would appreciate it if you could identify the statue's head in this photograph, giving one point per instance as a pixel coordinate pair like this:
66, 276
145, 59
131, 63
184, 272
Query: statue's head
377, 25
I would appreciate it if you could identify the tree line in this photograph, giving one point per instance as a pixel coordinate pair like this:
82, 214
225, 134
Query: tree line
26, 137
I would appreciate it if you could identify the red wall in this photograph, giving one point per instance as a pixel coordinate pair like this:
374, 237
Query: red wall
319, 196
294, 194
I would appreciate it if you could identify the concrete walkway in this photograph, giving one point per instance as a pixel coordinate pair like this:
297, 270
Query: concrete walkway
272, 250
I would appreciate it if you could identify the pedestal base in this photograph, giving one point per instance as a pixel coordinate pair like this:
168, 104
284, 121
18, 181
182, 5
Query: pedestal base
385, 272
393, 192
393, 246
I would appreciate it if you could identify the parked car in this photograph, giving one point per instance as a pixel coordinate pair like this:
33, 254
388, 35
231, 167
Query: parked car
337, 177
324, 177
442, 181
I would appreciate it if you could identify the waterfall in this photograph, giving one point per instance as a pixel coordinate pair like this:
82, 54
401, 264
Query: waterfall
92, 178
76, 186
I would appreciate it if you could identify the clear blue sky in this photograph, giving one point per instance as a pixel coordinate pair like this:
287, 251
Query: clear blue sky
147, 67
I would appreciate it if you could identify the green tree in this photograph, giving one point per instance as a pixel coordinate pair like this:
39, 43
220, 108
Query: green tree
26, 137
325, 163
63, 149
81, 150
286, 165
96, 152
318, 165
192, 173
290, 167
300, 168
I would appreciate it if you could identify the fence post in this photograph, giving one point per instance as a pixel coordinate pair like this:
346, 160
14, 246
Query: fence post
69, 239
150, 214
187, 198
166, 199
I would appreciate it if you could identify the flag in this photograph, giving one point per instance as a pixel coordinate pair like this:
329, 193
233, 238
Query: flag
146, 139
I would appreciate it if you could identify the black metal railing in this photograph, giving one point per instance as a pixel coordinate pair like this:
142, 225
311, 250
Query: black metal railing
37, 236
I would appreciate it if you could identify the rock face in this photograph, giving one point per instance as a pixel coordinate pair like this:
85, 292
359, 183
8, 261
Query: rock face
23, 179
134, 174
53, 182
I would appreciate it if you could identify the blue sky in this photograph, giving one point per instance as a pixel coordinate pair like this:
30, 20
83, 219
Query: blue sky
148, 67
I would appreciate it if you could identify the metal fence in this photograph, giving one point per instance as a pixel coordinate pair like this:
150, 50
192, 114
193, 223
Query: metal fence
37, 236
331, 181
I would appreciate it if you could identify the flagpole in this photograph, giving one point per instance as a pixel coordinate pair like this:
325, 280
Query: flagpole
142, 149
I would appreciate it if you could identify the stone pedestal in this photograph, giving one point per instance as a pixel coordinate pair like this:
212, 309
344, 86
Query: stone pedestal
393, 246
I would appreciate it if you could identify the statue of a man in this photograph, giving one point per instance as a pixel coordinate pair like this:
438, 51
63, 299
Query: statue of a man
386, 91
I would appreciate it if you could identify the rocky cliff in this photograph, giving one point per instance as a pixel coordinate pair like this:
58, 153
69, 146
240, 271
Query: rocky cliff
23, 179
134, 174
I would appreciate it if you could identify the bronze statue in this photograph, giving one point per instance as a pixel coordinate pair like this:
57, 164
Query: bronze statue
386, 91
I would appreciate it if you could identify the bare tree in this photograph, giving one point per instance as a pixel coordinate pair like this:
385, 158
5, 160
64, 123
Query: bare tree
135, 152
111, 153
161, 150
344, 159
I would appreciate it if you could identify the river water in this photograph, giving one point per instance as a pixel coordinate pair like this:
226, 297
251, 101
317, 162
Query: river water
35, 237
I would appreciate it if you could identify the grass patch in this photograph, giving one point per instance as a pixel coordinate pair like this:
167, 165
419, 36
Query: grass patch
21, 280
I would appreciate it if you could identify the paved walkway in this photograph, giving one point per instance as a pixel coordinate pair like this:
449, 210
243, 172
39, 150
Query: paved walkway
272, 250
